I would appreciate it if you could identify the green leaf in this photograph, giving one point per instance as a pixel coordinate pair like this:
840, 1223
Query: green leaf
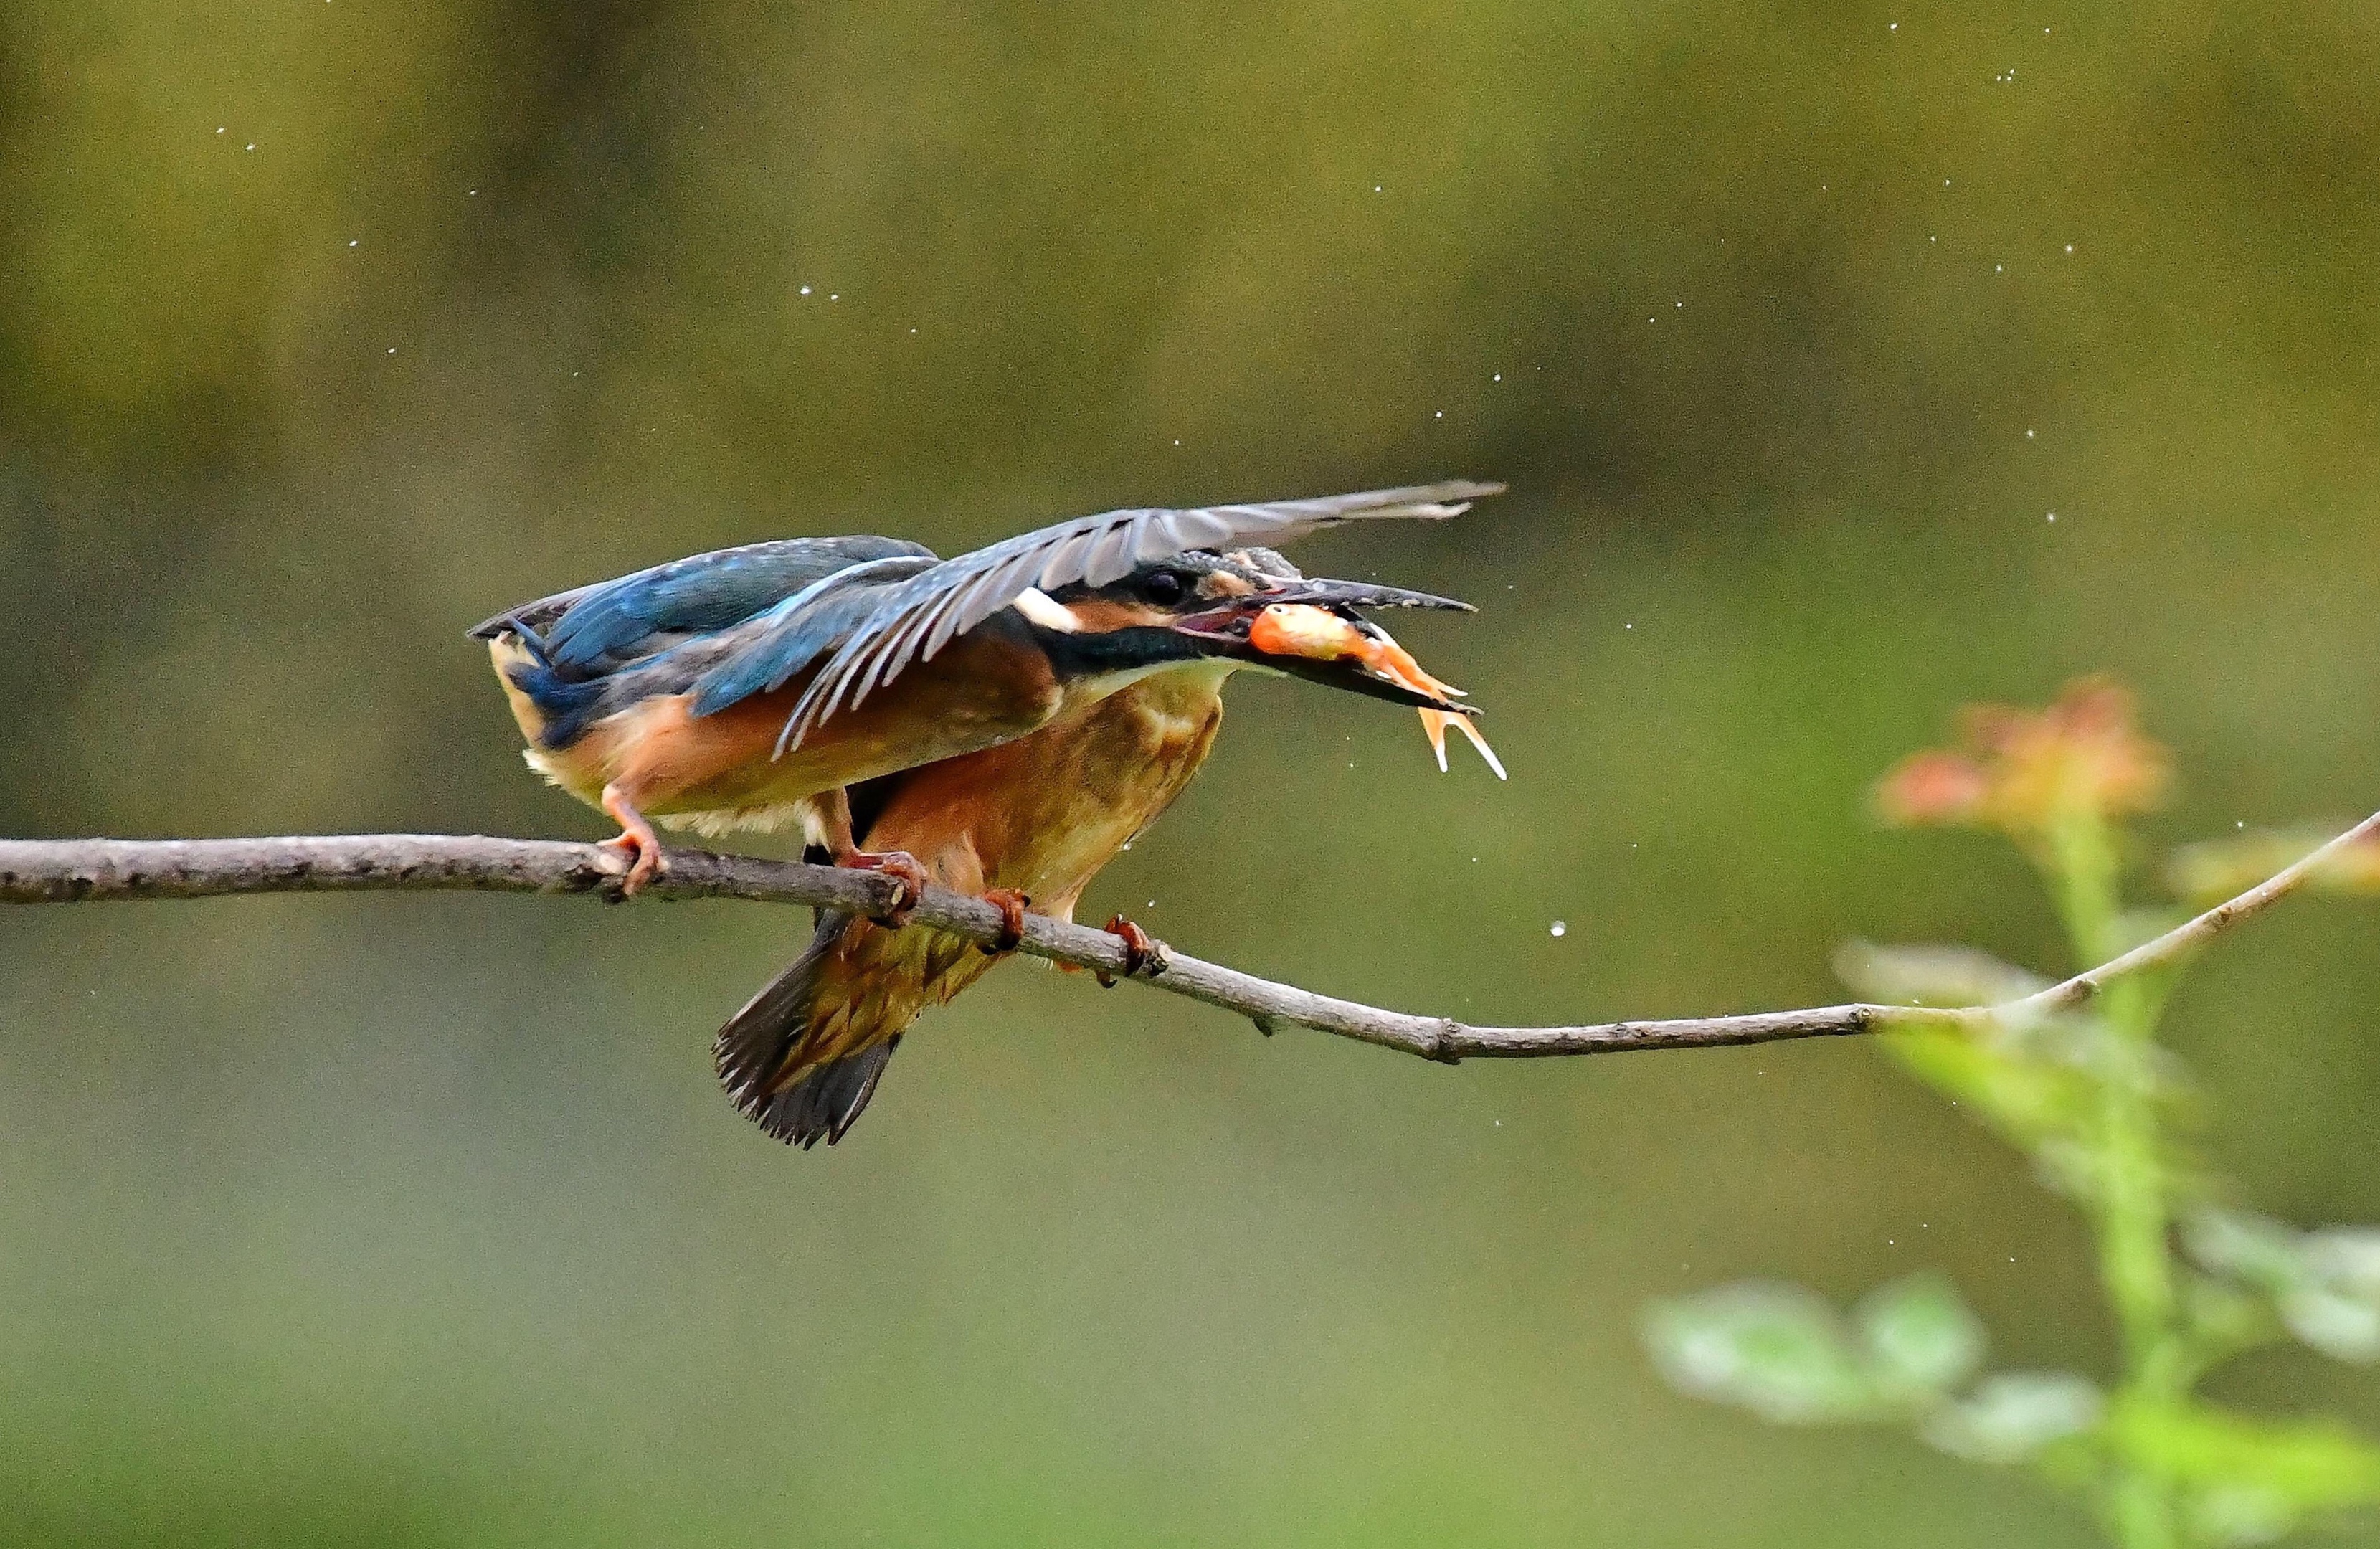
1776, 1350
2012, 1416
1919, 1337
2216, 869
2325, 1285
2342, 1327
2238, 1514
2252, 1249
2300, 1464
2027, 1100
2347, 1257
1932, 975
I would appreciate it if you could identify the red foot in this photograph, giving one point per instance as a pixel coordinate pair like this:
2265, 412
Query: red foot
1138, 950
638, 843
1011, 905
902, 867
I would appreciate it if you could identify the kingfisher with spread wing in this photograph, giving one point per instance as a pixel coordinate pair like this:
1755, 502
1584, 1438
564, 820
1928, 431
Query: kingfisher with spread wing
1000, 723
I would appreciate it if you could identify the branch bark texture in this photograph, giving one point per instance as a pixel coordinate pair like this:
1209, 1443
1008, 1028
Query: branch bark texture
71, 870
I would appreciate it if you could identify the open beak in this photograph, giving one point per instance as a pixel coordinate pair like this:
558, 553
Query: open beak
1351, 662
1311, 630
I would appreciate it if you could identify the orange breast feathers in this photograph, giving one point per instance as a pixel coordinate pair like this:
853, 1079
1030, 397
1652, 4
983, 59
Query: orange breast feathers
1042, 815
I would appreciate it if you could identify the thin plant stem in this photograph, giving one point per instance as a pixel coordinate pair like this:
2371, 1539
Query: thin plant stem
2130, 1212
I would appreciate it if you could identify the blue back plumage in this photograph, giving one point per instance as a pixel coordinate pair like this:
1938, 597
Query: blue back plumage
800, 630
608, 623
596, 649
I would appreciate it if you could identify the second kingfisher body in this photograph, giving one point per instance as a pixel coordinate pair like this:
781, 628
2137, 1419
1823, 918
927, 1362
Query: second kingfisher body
1027, 823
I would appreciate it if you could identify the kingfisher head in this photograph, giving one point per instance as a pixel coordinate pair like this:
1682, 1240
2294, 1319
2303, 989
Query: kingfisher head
1194, 610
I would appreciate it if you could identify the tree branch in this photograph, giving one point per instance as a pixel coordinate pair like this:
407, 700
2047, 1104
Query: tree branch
69, 870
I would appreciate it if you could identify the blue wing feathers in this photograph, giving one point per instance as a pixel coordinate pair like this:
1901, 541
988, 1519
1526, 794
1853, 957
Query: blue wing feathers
799, 629
727, 624
738, 622
707, 593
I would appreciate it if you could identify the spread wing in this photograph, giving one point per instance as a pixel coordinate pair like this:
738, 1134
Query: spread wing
913, 619
760, 654
592, 628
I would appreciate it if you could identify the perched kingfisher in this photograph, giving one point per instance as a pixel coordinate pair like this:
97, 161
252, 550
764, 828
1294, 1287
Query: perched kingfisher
1002, 723
746, 689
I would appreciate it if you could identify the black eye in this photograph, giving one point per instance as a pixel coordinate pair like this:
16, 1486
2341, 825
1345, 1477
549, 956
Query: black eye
1162, 586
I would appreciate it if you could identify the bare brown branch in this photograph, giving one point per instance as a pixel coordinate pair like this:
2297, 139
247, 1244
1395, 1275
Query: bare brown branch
68, 870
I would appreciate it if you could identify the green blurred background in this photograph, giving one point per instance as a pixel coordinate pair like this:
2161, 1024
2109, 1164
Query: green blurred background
326, 329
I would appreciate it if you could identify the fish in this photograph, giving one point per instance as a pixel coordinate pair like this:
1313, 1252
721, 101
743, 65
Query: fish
1320, 634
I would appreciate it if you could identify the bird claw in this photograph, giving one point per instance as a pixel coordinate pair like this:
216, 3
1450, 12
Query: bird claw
642, 852
636, 842
1011, 905
1139, 952
902, 867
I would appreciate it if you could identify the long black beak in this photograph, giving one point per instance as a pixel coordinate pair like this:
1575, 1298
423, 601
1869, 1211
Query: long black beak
1354, 677
1326, 593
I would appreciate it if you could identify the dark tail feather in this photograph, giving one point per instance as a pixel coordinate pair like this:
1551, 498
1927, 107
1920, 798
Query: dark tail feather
759, 1042
828, 1101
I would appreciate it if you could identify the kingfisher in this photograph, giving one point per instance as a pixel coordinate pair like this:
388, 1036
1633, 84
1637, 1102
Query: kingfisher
1027, 825
753, 688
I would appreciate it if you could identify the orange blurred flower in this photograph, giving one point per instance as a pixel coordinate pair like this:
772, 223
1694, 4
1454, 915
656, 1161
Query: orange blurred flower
2019, 771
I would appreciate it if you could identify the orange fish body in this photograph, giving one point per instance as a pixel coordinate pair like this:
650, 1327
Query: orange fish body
1319, 635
